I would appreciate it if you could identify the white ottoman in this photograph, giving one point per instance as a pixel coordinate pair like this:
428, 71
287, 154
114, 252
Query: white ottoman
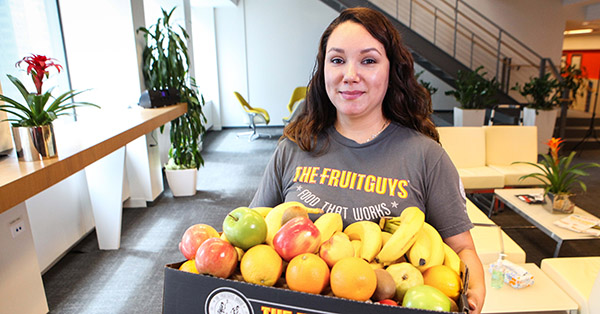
579, 277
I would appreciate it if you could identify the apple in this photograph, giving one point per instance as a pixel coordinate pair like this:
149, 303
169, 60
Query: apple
427, 298
193, 237
405, 276
216, 257
336, 248
244, 227
299, 235
388, 302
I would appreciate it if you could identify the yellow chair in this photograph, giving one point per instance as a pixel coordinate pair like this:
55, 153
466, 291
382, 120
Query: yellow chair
255, 115
298, 95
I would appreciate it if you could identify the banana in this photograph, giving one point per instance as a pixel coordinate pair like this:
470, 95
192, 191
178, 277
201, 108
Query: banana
263, 210
428, 249
369, 234
406, 227
451, 259
357, 244
328, 224
273, 218
385, 236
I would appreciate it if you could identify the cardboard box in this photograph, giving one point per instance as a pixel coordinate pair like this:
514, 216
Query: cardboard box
192, 293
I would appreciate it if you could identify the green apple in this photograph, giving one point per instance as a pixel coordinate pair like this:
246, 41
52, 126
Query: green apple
427, 298
405, 276
244, 227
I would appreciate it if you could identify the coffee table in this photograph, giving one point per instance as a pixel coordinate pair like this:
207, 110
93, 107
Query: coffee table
540, 217
544, 296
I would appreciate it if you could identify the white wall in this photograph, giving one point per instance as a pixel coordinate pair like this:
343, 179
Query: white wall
265, 50
582, 42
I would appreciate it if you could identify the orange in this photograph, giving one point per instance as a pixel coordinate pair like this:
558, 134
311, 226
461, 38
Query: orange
261, 265
353, 278
307, 273
444, 279
189, 266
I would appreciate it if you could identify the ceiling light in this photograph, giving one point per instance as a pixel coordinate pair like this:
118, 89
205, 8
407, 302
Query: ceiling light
578, 31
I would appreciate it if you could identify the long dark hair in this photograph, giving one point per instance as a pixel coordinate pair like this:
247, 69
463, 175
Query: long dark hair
406, 102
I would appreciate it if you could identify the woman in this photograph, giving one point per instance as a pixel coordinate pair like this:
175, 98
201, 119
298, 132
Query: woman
364, 146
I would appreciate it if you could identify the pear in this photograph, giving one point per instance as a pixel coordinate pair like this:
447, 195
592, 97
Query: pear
292, 212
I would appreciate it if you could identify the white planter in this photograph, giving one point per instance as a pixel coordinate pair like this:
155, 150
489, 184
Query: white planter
469, 117
545, 120
182, 182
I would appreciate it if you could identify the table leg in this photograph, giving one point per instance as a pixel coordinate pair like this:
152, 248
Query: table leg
557, 249
105, 182
492, 205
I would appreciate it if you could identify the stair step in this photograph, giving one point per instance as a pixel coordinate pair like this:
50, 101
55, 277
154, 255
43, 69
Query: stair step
589, 143
578, 131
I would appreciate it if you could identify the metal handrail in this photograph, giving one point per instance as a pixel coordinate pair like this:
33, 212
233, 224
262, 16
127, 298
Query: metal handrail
489, 45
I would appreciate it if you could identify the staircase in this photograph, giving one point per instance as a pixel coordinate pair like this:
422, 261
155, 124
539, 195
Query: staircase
445, 38
578, 126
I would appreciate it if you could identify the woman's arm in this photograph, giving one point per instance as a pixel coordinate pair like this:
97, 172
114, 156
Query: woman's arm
462, 244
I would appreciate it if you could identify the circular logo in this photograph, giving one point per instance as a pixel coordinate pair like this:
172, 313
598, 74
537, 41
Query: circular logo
227, 301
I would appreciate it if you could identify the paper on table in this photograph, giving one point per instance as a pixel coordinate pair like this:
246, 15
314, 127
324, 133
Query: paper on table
580, 224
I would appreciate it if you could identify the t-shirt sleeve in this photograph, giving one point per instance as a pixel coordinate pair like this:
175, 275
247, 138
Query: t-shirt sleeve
270, 189
446, 200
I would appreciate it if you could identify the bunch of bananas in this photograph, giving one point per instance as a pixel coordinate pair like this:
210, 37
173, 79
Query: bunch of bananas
394, 239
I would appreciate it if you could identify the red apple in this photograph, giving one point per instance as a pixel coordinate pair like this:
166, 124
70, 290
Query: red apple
193, 237
299, 235
216, 257
388, 302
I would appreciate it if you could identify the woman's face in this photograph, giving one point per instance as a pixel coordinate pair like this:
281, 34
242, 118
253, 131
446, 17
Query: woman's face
356, 71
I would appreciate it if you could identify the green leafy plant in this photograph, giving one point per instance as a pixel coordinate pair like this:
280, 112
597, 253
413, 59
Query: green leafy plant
543, 92
37, 111
558, 174
430, 88
166, 65
575, 80
473, 90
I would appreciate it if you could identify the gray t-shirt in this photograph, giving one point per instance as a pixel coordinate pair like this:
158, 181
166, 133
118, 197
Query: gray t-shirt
397, 169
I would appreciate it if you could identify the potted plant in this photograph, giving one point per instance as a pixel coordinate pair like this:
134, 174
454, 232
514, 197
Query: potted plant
474, 93
427, 85
542, 109
32, 128
559, 176
166, 66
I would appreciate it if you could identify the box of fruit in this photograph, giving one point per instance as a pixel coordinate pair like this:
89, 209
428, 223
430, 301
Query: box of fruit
280, 261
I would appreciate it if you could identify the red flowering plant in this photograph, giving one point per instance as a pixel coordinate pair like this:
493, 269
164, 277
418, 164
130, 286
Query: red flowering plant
37, 111
558, 174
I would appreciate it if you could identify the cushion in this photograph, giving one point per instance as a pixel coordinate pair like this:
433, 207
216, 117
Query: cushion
476, 215
481, 178
577, 277
464, 145
512, 173
505, 144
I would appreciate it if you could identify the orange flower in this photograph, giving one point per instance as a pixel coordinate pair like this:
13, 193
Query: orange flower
554, 144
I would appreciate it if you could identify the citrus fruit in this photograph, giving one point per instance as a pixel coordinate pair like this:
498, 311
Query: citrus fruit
353, 278
261, 265
444, 279
307, 273
189, 266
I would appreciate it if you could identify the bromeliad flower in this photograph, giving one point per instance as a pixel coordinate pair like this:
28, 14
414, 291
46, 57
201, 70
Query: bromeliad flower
554, 144
38, 66
558, 174
39, 109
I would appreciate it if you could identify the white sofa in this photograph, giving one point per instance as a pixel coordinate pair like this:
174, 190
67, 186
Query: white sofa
484, 155
466, 148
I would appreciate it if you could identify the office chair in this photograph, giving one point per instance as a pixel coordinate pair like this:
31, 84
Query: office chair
298, 95
255, 115
503, 114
